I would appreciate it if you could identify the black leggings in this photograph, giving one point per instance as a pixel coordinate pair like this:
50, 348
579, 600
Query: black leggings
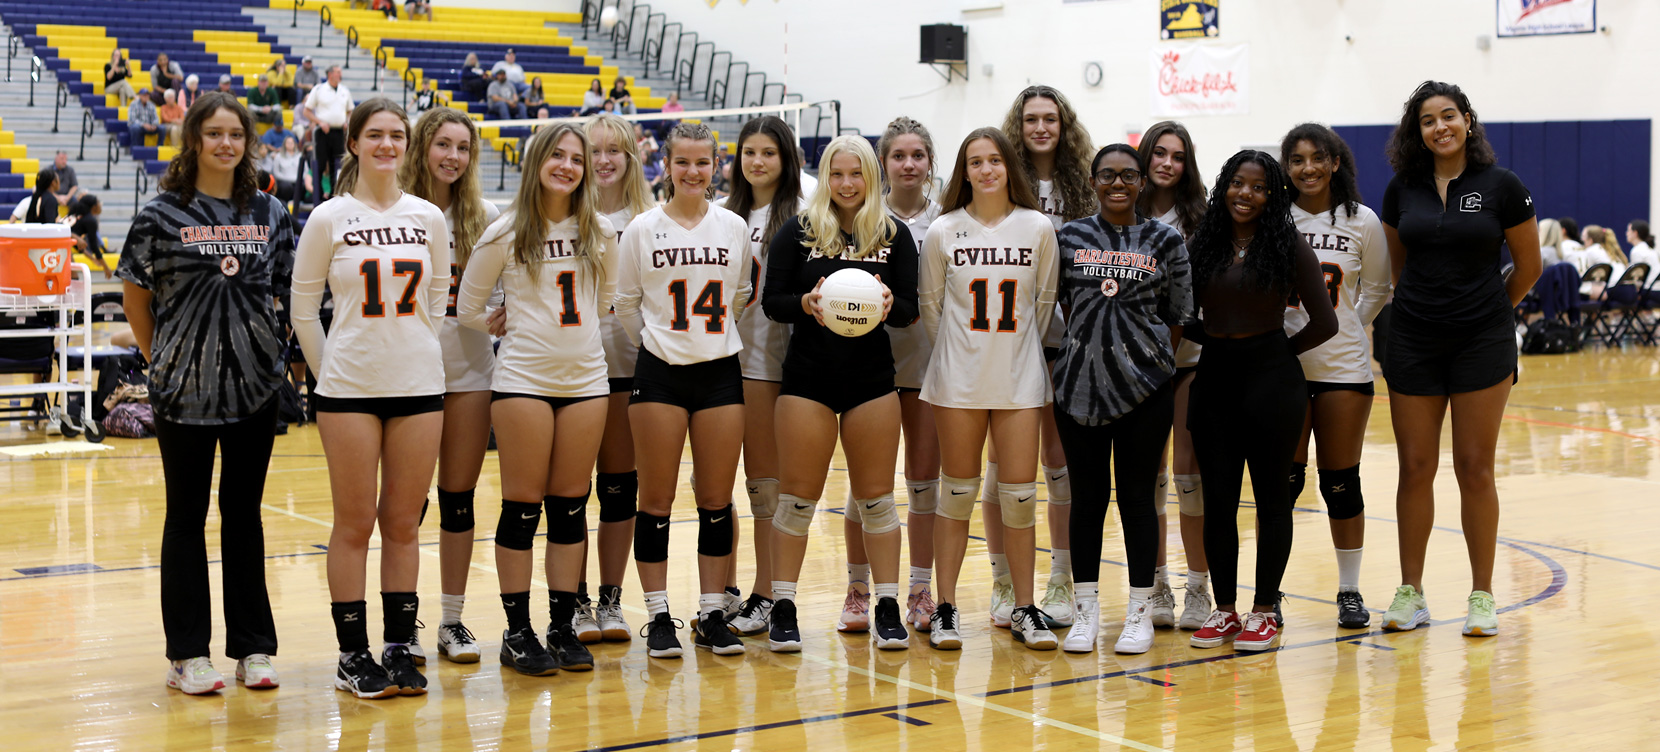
1247, 406
1135, 444
186, 605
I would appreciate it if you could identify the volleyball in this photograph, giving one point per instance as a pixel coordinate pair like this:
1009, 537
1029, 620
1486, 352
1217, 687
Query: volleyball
608, 18
852, 301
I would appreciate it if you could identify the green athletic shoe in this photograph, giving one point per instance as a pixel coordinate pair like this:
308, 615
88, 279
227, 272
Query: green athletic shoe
1408, 610
1481, 622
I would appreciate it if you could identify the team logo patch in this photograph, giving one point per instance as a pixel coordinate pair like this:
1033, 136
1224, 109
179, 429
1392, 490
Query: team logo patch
1471, 202
1109, 287
230, 266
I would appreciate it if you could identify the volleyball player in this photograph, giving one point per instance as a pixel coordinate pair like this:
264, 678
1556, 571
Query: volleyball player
683, 279
621, 192
441, 167
766, 188
906, 151
986, 293
204, 261
1348, 239
1053, 150
1175, 196
554, 258
1451, 340
1126, 290
1249, 398
835, 384
380, 384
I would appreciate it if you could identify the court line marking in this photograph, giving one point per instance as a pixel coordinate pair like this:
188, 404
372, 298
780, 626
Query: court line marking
890, 711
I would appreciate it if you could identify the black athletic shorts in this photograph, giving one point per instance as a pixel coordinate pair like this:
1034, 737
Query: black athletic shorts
384, 408
1426, 361
622, 385
1183, 371
1321, 387
694, 386
553, 402
837, 394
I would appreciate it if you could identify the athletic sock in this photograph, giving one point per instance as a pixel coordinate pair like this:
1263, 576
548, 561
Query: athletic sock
922, 576
733, 591
1060, 565
1161, 576
581, 592
1086, 590
783, 591
351, 625
451, 604
1140, 594
657, 602
561, 606
1197, 580
999, 565
708, 603
398, 612
517, 606
885, 590
859, 573
1348, 569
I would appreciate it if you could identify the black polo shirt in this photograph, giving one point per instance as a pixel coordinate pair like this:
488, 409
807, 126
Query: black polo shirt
1451, 276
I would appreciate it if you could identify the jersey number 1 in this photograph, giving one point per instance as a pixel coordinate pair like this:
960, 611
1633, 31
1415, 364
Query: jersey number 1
373, 306
1006, 290
707, 305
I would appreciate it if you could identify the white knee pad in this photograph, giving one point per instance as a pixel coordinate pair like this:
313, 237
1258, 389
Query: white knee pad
1161, 493
957, 498
988, 493
850, 510
924, 495
794, 515
878, 515
1058, 482
1019, 502
1190, 495
763, 497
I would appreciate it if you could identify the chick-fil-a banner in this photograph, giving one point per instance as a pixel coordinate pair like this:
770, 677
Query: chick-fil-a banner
1201, 79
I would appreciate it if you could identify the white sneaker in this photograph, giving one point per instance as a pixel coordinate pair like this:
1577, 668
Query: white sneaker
1196, 608
1162, 609
418, 653
1085, 628
456, 643
1028, 629
195, 676
256, 672
942, 628
1057, 603
1137, 636
585, 623
1002, 601
612, 626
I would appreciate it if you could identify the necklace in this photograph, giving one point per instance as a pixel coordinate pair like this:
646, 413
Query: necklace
1241, 245
904, 218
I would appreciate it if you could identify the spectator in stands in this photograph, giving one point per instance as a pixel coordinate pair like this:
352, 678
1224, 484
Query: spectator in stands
143, 120
652, 168
172, 117
515, 73
265, 103
84, 229
305, 79
504, 99
387, 7
329, 105
225, 84
413, 8
536, 97
474, 79
620, 95
273, 137
43, 205
673, 105
116, 73
165, 74
609, 106
643, 138
282, 80
69, 187
284, 165
191, 91
593, 100
1550, 242
429, 97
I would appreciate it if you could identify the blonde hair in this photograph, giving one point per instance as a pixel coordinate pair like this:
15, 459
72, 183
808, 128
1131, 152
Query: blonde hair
466, 195
529, 221
354, 128
1605, 237
1550, 233
871, 230
636, 192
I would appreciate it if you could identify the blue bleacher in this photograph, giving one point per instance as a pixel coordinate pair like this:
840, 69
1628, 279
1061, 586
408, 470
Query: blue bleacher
10, 196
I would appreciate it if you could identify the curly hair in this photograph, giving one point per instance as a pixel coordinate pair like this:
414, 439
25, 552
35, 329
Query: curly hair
1272, 261
786, 196
1344, 191
1072, 152
466, 195
958, 193
180, 177
1406, 150
1190, 188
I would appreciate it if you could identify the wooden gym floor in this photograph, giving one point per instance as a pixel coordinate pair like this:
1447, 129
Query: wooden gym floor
81, 660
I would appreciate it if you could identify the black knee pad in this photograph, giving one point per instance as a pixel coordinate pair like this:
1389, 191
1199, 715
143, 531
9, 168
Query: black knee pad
651, 538
517, 528
1299, 478
1341, 489
455, 511
617, 493
714, 531
567, 523
426, 502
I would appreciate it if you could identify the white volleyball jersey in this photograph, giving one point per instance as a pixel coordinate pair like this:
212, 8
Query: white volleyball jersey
1355, 260
1187, 352
765, 341
620, 353
911, 346
553, 346
1053, 208
681, 292
386, 271
468, 355
987, 294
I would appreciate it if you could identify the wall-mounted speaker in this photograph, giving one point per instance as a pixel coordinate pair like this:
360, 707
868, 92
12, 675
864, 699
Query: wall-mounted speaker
944, 43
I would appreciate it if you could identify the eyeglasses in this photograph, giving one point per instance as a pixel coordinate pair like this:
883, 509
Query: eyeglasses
1106, 177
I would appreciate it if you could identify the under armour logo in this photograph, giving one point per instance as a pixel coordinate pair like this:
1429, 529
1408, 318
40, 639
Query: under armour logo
613, 489
962, 234
636, 392
662, 235
353, 220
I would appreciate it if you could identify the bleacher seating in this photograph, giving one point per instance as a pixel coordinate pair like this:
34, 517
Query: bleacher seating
17, 172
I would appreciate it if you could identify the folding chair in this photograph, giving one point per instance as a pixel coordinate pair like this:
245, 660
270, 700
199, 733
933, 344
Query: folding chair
1630, 296
1593, 303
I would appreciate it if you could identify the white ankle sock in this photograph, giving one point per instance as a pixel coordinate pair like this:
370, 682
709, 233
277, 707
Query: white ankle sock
783, 591
1161, 576
1140, 595
657, 602
1086, 590
708, 602
885, 590
451, 605
921, 576
858, 573
1348, 569
1060, 565
1197, 580
999, 565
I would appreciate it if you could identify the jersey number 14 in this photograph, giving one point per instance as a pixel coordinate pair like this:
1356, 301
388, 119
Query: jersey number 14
708, 305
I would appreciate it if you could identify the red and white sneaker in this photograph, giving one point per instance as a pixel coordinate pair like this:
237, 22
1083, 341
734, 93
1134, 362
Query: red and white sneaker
1260, 632
855, 610
1222, 626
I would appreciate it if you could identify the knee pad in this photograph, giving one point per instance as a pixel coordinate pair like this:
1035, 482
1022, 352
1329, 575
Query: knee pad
651, 538
1341, 489
517, 528
567, 521
1058, 483
763, 497
455, 511
1190, 495
957, 501
924, 495
1019, 502
794, 515
988, 492
850, 510
1299, 478
714, 531
617, 493
878, 515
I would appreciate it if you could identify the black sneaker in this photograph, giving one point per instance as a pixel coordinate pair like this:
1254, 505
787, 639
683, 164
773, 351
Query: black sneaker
888, 630
783, 636
522, 652
713, 635
361, 676
1351, 611
660, 639
568, 649
400, 666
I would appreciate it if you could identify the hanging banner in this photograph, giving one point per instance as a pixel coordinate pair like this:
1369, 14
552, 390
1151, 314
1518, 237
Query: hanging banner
1526, 18
1201, 79
1189, 19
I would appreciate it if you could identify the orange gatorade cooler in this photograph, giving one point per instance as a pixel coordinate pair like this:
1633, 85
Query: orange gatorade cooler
34, 259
